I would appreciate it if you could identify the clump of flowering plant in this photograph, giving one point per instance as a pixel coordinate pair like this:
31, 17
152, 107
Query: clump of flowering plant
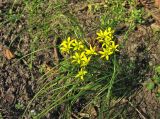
80, 54
108, 45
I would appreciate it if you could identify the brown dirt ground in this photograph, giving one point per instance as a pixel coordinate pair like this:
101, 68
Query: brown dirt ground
143, 48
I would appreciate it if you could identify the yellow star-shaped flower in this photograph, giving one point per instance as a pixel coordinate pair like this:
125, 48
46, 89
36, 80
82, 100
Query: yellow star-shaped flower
91, 51
103, 35
66, 45
105, 53
77, 58
81, 74
100, 35
85, 61
113, 47
77, 45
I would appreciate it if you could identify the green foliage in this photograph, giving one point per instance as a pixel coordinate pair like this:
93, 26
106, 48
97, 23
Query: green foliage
156, 77
19, 106
1, 116
155, 83
65, 89
150, 85
116, 14
157, 69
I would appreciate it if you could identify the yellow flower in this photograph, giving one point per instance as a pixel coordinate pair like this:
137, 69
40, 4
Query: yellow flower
78, 45
81, 74
113, 47
105, 53
101, 35
81, 58
66, 45
91, 51
77, 58
107, 42
85, 61
110, 31
107, 34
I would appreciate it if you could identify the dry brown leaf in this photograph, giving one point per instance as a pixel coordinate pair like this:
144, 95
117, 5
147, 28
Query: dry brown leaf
157, 3
1, 47
8, 54
55, 52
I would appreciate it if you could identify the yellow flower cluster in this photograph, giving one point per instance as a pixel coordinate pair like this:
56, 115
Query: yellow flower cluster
108, 45
81, 55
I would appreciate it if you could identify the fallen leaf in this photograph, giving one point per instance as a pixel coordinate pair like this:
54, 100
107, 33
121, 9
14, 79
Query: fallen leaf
157, 3
1, 47
55, 52
8, 54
